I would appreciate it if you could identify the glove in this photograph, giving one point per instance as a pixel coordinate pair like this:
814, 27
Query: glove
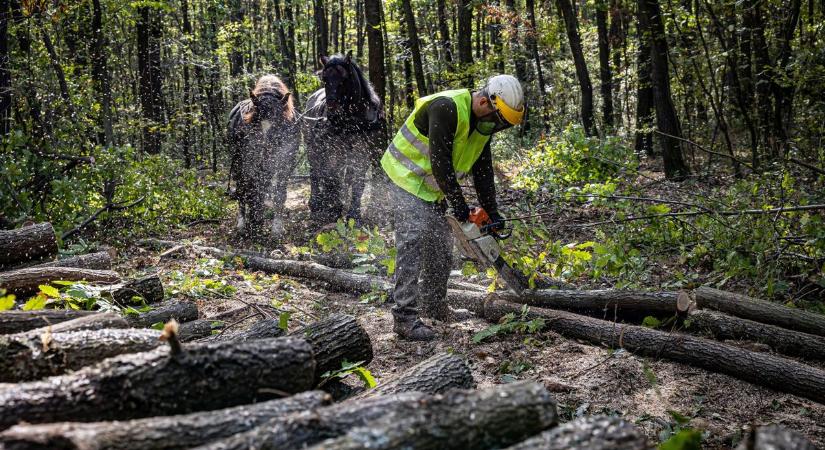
497, 221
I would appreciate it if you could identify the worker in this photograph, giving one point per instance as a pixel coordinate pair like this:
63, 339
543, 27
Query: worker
446, 136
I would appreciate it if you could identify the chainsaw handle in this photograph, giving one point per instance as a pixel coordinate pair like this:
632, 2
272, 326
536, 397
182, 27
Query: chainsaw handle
497, 229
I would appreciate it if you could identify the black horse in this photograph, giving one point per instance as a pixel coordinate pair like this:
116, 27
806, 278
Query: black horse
263, 141
345, 132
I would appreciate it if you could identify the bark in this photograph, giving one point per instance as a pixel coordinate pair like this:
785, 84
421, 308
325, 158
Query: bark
149, 288
515, 44
650, 21
5, 74
91, 320
95, 261
26, 357
444, 32
148, 45
375, 44
196, 329
26, 281
526, 408
321, 28
262, 329
760, 311
775, 437
488, 418
32, 243
592, 433
434, 375
605, 74
780, 374
415, 46
644, 98
532, 45
156, 433
19, 321
574, 39
787, 342
202, 377
335, 339
180, 311
464, 36
57, 68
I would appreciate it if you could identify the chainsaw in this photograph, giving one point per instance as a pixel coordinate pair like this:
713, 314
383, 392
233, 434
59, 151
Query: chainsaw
478, 240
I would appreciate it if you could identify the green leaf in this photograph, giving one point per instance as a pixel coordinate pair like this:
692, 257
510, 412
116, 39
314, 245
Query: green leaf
651, 322
492, 330
683, 440
283, 320
678, 417
365, 375
157, 326
7, 302
50, 291
37, 302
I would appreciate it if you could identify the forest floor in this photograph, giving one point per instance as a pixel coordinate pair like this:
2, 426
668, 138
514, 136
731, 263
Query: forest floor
659, 396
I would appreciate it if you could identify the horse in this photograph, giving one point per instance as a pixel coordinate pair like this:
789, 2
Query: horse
345, 132
263, 137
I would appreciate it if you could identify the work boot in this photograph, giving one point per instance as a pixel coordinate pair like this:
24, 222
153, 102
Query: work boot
413, 330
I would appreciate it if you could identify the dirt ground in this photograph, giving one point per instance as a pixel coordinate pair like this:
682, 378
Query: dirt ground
585, 379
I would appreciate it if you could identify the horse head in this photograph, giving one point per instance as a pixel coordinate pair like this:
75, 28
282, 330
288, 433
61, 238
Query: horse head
343, 85
271, 100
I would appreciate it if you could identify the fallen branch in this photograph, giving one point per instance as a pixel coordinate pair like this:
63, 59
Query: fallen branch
180, 311
26, 281
731, 157
775, 437
19, 321
109, 207
97, 261
597, 432
434, 375
817, 207
90, 320
26, 244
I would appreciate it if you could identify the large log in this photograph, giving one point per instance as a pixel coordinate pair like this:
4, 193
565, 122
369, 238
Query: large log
25, 281
95, 321
434, 375
22, 245
767, 370
196, 329
26, 356
341, 339
19, 321
781, 340
494, 415
158, 433
156, 383
459, 419
775, 437
760, 310
591, 433
149, 288
97, 261
262, 329
180, 311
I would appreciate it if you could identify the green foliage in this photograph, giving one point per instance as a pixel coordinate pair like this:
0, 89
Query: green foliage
348, 368
283, 320
685, 439
6, 300
511, 323
206, 279
365, 247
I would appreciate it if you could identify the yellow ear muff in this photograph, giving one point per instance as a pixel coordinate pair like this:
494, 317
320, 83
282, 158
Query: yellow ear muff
511, 115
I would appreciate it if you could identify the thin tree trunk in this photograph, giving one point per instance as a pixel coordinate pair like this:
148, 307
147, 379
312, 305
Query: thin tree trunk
5, 70
532, 45
148, 34
605, 74
444, 31
572, 27
321, 29
415, 46
464, 38
515, 44
375, 42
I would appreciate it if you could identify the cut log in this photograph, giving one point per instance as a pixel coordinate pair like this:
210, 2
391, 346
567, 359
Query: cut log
196, 329
775, 437
591, 433
781, 340
22, 245
158, 433
180, 311
760, 311
25, 281
781, 374
336, 339
96, 321
25, 357
484, 418
19, 321
432, 376
148, 288
97, 261
459, 419
154, 383
262, 329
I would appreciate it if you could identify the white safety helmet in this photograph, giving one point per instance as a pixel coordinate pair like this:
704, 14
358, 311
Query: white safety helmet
506, 95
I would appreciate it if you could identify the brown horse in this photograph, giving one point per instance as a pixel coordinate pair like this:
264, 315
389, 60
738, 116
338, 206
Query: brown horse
263, 140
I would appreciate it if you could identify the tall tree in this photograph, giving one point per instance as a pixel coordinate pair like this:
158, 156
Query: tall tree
571, 24
667, 122
444, 31
415, 46
321, 29
100, 73
515, 42
605, 74
532, 45
148, 39
375, 43
236, 53
644, 97
464, 39
5, 70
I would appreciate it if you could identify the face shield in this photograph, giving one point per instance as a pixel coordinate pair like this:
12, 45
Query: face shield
501, 118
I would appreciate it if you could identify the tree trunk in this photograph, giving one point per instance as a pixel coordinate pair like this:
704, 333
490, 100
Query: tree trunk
760, 311
5, 73
515, 44
180, 311
94, 321
375, 43
58, 69
415, 47
20, 321
532, 45
159, 433
193, 330
464, 38
478, 419
775, 437
321, 29
149, 288
787, 342
644, 98
783, 91
25, 357
31, 243
434, 375
148, 40
262, 329
783, 375
605, 74
488, 418
572, 27
650, 21
26, 281
100, 73
444, 32
94, 261
594, 432
210, 376
335, 339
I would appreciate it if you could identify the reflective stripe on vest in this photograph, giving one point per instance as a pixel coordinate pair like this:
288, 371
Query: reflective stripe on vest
407, 159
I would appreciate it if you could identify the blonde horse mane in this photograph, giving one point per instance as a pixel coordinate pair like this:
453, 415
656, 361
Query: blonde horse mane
271, 84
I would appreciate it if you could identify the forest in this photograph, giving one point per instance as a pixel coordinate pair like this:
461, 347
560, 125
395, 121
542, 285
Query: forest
665, 199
